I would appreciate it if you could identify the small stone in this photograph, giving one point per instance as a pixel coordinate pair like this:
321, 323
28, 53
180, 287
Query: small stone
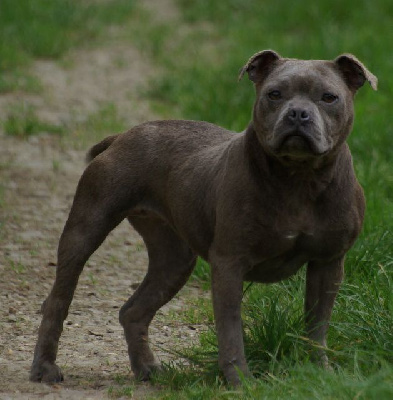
96, 334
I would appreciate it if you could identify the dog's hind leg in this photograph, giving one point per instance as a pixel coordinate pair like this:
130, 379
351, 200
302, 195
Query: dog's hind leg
170, 264
91, 218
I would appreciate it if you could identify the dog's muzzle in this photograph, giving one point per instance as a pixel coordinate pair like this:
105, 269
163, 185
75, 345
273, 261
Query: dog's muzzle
297, 135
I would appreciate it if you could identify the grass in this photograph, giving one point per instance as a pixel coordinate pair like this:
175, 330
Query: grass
31, 29
101, 123
127, 391
199, 82
22, 121
300, 383
201, 273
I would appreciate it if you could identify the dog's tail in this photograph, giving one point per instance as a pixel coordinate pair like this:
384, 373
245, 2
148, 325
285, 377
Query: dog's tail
100, 147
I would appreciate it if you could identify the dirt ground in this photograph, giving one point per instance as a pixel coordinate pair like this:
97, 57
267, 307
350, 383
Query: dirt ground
39, 176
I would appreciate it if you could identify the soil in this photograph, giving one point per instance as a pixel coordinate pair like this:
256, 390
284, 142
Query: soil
39, 176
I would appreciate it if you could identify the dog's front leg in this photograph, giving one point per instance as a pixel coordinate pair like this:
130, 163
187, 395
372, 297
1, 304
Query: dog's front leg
322, 285
227, 287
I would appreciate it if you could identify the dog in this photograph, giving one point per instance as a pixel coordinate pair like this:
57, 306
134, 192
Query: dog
257, 205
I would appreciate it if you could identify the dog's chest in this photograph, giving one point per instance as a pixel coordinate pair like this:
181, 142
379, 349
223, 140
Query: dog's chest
318, 241
287, 251
315, 243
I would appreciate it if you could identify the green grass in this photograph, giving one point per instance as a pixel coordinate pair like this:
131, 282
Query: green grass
199, 82
32, 29
22, 121
277, 351
302, 382
101, 123
124, 390
201, 273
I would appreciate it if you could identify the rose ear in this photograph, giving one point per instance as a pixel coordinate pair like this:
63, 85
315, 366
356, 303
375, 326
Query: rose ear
354, 72
259, 65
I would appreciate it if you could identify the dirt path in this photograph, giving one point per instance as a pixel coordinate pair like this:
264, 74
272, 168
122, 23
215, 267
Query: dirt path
39, 176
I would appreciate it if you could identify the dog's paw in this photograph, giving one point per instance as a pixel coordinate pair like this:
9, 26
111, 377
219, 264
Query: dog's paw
319, 358
144, 372
323, 362
46, 372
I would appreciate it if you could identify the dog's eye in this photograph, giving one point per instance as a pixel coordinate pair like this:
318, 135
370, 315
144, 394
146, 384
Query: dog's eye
274, 95
329, 98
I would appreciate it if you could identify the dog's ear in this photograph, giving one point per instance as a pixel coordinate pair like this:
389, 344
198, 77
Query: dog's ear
354, 72
259, 65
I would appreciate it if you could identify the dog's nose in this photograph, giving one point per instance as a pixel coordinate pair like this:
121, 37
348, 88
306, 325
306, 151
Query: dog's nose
298, 115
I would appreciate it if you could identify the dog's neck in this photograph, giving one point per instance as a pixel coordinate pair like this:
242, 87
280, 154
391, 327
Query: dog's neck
316, 175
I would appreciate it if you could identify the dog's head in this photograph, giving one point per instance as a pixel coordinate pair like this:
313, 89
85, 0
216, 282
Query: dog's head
304, 108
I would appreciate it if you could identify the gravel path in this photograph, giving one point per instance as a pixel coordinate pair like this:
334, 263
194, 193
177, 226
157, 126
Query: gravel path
38, 177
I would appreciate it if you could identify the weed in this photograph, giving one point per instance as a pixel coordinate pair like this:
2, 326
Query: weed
121, 391
55, 165
17, 79
200, 310
2, 192
92, 278
22, 121
201, 273
97, 126
17, 267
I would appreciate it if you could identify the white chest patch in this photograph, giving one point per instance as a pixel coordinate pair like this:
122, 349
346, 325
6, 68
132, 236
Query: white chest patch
291, 235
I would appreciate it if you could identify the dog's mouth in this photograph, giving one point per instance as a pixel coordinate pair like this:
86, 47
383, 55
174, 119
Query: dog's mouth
298, 145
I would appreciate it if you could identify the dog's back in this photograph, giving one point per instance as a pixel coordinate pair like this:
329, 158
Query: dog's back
180, 136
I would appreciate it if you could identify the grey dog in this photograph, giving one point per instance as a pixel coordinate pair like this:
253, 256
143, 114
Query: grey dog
257, 205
